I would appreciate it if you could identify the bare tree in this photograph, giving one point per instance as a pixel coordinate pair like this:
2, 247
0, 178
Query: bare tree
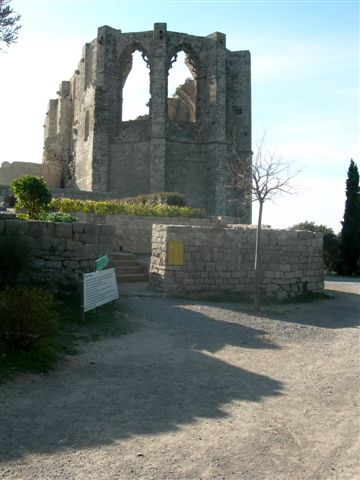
258, 179
9, 23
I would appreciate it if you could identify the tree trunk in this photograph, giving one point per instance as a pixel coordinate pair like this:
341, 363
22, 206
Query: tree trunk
257, 263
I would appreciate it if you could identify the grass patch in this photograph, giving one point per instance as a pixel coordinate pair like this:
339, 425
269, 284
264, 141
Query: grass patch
45, 356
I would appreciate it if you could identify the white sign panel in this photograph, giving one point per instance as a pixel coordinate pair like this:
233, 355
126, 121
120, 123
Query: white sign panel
99, 288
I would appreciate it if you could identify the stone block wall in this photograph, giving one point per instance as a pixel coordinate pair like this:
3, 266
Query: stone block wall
133, 233
83, 194
220, 260
62, 249
10, 171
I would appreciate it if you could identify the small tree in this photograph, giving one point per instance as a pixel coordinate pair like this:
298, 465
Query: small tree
31, 194
9, 23
260, 180
350, 232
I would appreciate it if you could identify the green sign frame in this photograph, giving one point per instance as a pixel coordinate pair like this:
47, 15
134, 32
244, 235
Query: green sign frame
101, 262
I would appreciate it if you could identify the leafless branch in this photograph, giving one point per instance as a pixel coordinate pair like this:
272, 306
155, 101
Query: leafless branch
268, 174
258, 179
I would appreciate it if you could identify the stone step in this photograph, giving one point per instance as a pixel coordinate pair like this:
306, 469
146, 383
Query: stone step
131, 277
127, 268
121, 264
122, 257
123, 269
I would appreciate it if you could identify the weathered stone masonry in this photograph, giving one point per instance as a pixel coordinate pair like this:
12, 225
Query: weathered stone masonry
219, 260
98, 151
62, 250
133, 233
218, 257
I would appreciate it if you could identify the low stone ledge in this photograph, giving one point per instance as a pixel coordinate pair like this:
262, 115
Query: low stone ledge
16, 226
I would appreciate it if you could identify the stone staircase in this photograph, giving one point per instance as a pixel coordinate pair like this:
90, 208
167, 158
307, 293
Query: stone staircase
128, 269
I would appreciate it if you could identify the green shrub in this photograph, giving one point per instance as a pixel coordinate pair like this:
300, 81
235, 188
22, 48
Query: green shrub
172, 198
23, 216
57, 217
332, 251
16, 253
121, 207
31, 194
27, 315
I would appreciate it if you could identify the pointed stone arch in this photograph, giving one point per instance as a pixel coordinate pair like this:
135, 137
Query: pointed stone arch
186, 93
192, 58
125, 65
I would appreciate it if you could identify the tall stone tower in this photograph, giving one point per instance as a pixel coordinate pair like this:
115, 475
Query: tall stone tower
164, 151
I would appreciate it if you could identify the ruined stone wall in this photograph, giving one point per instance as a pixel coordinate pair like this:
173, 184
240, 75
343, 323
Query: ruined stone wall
62, 250
86, 134
52, 173
129, 172
196, 169
220, 260
82, 194
69, 124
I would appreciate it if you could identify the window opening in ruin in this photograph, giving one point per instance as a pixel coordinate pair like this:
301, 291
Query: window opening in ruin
181, 89
86, 126
136, 90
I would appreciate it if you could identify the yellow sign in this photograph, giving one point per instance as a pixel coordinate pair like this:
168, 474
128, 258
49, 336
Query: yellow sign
176, 253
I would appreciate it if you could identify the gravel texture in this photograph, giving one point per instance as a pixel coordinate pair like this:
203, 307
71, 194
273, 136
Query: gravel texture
197, 390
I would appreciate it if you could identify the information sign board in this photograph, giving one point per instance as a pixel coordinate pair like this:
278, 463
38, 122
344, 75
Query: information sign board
176, 252
99, 288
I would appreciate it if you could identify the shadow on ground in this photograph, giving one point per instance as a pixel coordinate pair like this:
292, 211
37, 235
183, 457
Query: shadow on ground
151, 381
336, 310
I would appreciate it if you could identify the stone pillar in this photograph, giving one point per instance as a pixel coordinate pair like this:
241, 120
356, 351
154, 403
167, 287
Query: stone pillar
238, 117
104, 106
158, 89
218, 92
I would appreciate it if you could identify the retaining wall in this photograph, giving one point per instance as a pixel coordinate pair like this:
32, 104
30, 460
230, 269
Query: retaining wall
62, 249
218, 260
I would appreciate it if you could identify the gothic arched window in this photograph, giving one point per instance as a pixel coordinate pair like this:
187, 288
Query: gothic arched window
182, 85
135, 84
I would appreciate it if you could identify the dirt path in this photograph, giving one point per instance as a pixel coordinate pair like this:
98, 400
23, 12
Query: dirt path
197, 391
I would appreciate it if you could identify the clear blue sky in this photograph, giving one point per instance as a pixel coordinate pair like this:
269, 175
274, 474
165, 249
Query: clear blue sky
305, 92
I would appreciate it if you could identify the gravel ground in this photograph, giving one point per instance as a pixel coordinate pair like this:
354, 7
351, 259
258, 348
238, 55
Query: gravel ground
197, 390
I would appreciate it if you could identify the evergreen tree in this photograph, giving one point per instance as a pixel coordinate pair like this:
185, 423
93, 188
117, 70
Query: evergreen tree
9, 23
350, 233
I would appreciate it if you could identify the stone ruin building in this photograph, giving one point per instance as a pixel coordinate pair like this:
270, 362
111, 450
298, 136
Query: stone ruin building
185, 144
182, 145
